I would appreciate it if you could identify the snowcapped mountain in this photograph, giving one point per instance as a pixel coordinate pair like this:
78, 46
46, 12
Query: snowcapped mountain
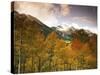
67, 31
63, 31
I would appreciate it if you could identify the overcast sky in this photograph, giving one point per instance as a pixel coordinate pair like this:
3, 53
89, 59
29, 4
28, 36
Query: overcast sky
61, 14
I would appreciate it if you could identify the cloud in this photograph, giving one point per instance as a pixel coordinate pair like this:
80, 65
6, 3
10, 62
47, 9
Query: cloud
34, 9
43, 11
65, 27
85, 19
46, 12
75, 25
65, 10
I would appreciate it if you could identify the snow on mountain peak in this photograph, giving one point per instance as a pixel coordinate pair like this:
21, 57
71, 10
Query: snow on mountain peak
73, 26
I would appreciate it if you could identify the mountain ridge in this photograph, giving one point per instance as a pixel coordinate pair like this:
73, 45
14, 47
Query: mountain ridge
35, 24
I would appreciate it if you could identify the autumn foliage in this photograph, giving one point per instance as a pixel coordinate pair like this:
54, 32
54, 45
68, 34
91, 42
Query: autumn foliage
36, 52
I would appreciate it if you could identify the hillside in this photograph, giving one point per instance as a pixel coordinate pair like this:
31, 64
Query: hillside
39, 48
